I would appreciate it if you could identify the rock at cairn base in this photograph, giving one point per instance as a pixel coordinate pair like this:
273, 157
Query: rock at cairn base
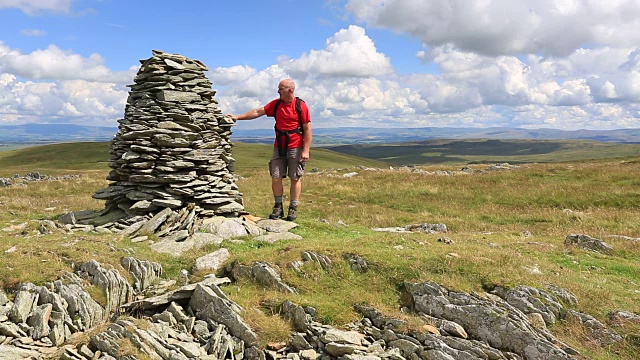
172, 149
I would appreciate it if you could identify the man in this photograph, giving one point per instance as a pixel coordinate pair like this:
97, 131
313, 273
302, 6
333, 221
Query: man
291, 147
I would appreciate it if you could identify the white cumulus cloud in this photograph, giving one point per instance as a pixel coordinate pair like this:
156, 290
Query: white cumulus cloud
52, 85
225, 76
88, 103
350, 52
499, 27
54, 63
33, 7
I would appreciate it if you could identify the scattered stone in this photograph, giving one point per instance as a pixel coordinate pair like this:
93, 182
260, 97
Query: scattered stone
33, 177
277, 236
624, 237
276, 226
427, 228
68, 218
322, 260
502, 166
623, 317
597, 330
16, 228
3, 298
357, 263
587, 242
212, 261
534, 270
446, 240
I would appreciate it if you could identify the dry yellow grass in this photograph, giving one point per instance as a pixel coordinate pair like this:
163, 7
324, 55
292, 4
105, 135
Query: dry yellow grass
489, 216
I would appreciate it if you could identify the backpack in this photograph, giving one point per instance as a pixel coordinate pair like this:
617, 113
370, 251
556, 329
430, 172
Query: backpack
282, 147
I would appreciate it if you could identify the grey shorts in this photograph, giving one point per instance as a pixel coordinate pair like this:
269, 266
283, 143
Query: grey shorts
291, 165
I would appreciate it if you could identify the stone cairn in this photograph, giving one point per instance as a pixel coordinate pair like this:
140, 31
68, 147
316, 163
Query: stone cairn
172, 149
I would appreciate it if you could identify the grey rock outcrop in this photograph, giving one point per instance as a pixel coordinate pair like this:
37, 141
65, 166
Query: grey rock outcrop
115, 287
144, 272
261, 272
531, 300
623, 317
588, 243
490, 320
597, 330
206, 303
311, 257
44, 317
31, 177
199, 321
425, 227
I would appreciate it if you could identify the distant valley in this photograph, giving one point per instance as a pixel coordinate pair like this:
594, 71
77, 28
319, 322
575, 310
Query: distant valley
48, 133
15, 135
366, 135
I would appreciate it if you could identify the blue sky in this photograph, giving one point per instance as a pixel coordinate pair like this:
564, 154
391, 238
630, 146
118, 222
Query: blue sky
566, 64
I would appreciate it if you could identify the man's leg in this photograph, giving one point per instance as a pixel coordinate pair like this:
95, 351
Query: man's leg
296, 170
294, 193
278, 208
295, 190
277, 167
276, 187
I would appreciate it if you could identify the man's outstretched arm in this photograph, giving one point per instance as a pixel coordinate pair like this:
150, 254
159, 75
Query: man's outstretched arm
249, 115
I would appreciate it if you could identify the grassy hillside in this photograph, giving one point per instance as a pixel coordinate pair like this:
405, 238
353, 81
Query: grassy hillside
90, 156
490, 151
502, 223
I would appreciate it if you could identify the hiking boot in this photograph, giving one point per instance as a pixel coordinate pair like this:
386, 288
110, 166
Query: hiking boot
278, 212
293, 213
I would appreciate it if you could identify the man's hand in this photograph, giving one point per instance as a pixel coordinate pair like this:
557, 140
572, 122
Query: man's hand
233, 117
304, 156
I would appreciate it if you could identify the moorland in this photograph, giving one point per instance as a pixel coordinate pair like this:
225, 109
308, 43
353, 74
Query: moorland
502, 224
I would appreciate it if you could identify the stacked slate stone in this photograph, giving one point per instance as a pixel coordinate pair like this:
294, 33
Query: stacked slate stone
172, 149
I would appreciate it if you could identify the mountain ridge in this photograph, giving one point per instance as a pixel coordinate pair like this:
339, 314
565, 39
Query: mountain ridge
32, 132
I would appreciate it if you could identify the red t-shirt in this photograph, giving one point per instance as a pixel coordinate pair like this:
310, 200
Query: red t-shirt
287, 119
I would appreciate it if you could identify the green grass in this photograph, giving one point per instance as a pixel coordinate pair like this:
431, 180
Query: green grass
256, 156
60, 158
81, 157
487, 215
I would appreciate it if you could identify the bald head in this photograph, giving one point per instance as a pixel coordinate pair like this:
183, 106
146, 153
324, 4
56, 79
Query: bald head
288, 83
286, 89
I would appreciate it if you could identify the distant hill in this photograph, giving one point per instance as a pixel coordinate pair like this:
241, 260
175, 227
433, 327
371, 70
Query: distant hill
88, 156
367, 135
457, 151
47, 133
